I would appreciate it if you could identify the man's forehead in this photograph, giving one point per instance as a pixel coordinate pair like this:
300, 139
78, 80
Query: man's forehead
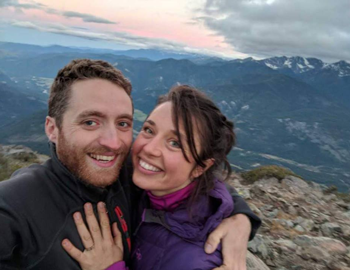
99, 96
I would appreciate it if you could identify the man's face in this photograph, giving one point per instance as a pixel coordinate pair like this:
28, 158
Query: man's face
96, 132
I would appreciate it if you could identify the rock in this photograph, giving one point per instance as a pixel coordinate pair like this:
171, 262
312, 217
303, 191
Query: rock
337, 266
313, 199
330, 245
345, 231
286, 243
284, 223
261, 246
292, 210
267, 207
244, 192
256, 210
315, 253
307, 224
258, 191
295, 204
272, 214
299, 229
295, 185
329, 229
330, 197
346, 215
343, 205
303, 227
254, 263
268, 182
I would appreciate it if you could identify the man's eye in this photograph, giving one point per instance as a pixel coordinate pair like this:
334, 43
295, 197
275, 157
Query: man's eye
90, 123
124, 124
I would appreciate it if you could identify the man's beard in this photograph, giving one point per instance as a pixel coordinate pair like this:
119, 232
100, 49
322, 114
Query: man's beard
77, 161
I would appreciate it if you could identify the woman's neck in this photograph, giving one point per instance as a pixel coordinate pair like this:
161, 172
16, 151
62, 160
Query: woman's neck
172, 200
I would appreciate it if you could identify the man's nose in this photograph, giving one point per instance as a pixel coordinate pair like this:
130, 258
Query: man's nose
110, 139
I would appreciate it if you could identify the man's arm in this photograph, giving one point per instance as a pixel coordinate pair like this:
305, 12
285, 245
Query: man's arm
241, 207
234, 233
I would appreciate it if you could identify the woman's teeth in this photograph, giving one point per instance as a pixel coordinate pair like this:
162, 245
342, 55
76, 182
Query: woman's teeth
148, 167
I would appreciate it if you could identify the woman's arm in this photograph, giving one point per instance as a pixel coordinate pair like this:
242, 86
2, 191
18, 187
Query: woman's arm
102, 250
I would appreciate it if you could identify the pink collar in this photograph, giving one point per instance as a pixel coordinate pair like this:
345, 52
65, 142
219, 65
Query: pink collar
172, 200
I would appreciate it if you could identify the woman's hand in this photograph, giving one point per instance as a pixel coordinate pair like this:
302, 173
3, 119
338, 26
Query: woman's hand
101, 248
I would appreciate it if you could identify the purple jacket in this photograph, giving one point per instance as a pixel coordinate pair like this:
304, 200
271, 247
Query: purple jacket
173, 241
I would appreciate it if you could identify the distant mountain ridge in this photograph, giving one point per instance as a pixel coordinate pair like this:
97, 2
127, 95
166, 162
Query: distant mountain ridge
149, 54
289, 111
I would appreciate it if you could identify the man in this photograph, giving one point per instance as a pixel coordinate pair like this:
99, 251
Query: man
90, 131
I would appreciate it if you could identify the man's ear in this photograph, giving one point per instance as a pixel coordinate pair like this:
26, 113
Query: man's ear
198, 171
51, 129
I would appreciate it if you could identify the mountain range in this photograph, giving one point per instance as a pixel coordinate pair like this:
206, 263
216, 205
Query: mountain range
289, 111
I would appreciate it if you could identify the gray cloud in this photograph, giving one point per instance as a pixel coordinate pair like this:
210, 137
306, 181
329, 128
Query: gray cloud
116, 37
16, 4
264, 28
86, 17
68, 14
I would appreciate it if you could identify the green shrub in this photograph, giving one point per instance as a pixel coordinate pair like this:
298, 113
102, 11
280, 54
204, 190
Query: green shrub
331, 190
334, 190
29, 157
343, 196
4, 168
9, 164
266, 172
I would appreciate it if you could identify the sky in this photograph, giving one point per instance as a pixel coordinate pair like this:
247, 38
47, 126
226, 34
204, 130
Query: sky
224, 28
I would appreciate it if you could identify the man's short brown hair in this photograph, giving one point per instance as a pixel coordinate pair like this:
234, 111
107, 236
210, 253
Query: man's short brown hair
77, 70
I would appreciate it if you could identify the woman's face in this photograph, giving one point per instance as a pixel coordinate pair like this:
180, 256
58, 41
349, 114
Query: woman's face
159, 164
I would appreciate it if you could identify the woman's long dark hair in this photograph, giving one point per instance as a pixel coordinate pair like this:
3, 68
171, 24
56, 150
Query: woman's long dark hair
194, 111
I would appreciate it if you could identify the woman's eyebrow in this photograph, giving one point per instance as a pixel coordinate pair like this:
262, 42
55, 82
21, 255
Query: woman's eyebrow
179, 135
150, 122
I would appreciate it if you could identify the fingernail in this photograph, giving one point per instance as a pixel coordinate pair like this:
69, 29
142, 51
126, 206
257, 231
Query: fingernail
208, 248
88, 206
77, 216
101, 205
65, 242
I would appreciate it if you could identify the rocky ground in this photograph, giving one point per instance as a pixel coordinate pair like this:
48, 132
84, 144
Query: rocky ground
13, 157
305, 225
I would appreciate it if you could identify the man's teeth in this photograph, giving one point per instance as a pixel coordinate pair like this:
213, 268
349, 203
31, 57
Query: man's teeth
148, 166
102, 158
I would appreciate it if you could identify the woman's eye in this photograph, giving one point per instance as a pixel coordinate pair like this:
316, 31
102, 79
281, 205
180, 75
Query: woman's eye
175, 144
147, 130
90, 123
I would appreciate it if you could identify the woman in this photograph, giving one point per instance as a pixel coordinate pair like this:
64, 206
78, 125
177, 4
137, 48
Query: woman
178, 160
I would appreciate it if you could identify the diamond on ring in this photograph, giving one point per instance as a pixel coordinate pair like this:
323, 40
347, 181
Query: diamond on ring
90, 248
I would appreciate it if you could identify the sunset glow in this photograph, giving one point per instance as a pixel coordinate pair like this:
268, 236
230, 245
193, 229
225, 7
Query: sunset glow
155, 21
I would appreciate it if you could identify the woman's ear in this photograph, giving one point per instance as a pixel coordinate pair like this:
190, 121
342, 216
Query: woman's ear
198, 171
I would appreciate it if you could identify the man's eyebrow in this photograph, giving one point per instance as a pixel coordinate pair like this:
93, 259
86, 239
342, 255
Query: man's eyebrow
126, 115
86, 114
